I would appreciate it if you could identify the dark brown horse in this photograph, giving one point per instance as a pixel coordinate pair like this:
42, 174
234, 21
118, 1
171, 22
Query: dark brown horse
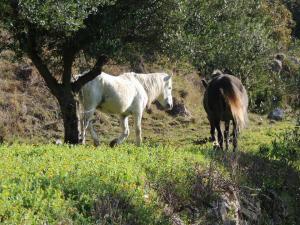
225, 99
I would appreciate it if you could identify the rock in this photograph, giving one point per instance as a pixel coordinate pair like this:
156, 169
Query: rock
276, 63
179, 109
277, 114
260, 122
24, 73
276, 66
280, 56
294, 60
58, 142
238, 206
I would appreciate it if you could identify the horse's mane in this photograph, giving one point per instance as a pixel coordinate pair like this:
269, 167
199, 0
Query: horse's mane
152, 83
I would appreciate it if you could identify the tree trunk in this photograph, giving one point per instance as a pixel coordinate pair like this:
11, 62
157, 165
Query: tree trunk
65, 91
68, 107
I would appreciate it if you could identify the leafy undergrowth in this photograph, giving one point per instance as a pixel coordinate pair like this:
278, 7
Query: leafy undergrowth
153, 184
82, 185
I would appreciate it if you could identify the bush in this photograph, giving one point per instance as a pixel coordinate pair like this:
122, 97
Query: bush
285, 148
240, 38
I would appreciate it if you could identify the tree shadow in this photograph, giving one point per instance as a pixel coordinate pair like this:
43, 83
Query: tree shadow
276, 183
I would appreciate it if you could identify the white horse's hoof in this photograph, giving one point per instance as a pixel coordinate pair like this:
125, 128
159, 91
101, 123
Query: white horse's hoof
96, 143
114, 143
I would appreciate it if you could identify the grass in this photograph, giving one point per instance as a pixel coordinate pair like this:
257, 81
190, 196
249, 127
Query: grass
258, 133
63, 185
50, 184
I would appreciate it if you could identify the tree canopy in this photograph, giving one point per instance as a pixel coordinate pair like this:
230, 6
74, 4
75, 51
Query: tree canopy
53, 33
108, 27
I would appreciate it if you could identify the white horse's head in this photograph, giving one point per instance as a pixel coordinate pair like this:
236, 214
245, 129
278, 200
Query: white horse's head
165, 98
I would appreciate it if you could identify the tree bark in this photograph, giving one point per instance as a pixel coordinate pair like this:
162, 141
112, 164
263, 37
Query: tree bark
92, 74
67, 102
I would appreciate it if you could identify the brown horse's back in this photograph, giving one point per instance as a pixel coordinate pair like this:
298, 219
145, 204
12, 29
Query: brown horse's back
226, 99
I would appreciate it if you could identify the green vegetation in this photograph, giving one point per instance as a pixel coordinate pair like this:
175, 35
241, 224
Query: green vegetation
61, 184
239, 37
137, 185
284, 148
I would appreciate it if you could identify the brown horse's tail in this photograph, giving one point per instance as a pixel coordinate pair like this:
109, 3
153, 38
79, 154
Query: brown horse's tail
238, 107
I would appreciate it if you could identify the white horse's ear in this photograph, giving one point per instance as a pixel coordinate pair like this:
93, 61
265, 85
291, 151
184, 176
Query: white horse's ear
167, 78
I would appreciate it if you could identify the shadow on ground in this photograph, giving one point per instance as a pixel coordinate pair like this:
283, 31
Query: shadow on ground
275, 184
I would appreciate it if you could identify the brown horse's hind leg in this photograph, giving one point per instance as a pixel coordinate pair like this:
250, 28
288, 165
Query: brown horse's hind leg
212, 131
235, 137
226, 135
220, 135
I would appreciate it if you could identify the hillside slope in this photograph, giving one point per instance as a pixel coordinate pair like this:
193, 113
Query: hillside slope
176, 177
30, 113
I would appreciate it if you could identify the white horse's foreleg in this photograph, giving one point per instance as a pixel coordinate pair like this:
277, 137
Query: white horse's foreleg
138, 129
82, 130
80, 121
84, 123
124, 134
125, 129
94, 134
87, 123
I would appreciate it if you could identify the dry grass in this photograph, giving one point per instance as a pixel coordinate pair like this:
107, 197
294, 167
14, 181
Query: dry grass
26, 106
30, 113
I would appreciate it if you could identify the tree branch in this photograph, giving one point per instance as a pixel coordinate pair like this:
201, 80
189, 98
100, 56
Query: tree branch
83, 36
28, 44
78, 41
32, 52
76, 86
68, 58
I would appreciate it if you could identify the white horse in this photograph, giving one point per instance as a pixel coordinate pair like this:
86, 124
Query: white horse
127, 94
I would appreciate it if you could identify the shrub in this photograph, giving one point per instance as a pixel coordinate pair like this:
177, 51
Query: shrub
240, 37
285, 148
